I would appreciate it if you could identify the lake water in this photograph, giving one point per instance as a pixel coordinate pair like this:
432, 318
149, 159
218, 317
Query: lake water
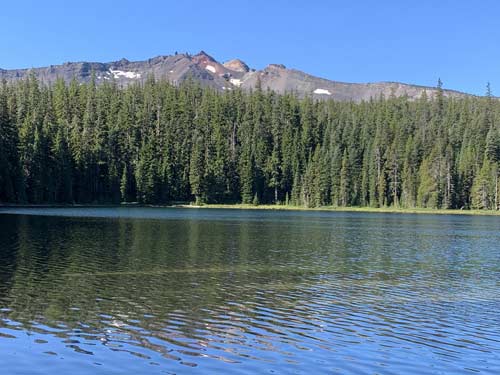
176, 291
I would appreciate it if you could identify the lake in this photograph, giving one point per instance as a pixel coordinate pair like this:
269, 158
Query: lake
176, 291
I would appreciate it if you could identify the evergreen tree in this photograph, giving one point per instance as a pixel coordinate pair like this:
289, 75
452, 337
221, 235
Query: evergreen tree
482, 190
153, 142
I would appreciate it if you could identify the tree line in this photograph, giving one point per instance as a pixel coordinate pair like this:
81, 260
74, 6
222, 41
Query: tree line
157, 143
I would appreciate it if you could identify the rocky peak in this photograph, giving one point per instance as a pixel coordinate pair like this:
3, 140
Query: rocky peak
237, 65
203, 56
276, 67
234, 73
122, 61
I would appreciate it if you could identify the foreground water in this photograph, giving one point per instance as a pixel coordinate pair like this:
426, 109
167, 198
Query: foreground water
144, 290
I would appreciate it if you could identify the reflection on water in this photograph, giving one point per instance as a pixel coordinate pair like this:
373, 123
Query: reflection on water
215, 291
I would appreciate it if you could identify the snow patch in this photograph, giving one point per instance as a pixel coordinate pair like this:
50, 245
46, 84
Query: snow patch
235, 81
210, 68
121, 73
322, 92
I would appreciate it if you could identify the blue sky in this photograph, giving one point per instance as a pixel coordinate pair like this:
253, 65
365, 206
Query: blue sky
352, 41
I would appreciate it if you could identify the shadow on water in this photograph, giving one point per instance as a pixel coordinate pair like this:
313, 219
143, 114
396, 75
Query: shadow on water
145, 290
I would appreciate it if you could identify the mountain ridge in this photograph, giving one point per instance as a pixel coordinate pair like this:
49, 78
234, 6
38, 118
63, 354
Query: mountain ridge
229, 75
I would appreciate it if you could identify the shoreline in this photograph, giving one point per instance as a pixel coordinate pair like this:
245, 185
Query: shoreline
429, 211
240, 206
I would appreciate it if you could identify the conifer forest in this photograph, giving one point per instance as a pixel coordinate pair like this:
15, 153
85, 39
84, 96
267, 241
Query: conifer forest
156, 143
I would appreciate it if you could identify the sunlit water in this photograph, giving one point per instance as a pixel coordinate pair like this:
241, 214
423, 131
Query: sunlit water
150, 290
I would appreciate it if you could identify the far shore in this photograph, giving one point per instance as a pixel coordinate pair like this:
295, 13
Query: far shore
240, 206
346, 209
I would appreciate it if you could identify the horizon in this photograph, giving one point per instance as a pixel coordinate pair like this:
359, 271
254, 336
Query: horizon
358, 43
251, 67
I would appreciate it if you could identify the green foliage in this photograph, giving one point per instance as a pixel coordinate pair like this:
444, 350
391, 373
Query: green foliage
483, 190
156, 143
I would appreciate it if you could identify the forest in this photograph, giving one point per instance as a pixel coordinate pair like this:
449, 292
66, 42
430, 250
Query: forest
156, 143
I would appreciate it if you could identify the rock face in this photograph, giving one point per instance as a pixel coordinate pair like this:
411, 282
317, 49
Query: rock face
231, 75
237, 65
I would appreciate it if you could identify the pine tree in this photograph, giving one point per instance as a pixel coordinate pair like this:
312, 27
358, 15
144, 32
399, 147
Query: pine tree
196, 168
427, 195
344, 182
157, 143
482, 191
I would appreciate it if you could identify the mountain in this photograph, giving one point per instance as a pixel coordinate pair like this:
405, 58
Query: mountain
223, 76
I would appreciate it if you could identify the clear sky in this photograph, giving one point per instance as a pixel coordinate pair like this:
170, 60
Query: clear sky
353, 41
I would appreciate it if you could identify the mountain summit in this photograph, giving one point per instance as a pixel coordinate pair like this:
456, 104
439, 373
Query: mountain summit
230, 75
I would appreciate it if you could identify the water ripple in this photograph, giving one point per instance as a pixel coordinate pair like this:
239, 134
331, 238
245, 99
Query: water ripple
298, 293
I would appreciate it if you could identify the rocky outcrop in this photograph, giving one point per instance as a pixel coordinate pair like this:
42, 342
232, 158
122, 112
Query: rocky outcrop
231, 75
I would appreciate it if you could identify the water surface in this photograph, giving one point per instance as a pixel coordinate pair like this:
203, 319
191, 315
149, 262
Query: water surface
175, 291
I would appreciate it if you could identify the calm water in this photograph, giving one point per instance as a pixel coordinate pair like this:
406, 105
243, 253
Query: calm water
145, 290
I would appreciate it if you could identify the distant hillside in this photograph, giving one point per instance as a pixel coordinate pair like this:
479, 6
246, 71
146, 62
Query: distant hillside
223, 76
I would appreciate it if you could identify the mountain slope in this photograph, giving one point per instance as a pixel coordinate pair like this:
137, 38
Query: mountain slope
227, 76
